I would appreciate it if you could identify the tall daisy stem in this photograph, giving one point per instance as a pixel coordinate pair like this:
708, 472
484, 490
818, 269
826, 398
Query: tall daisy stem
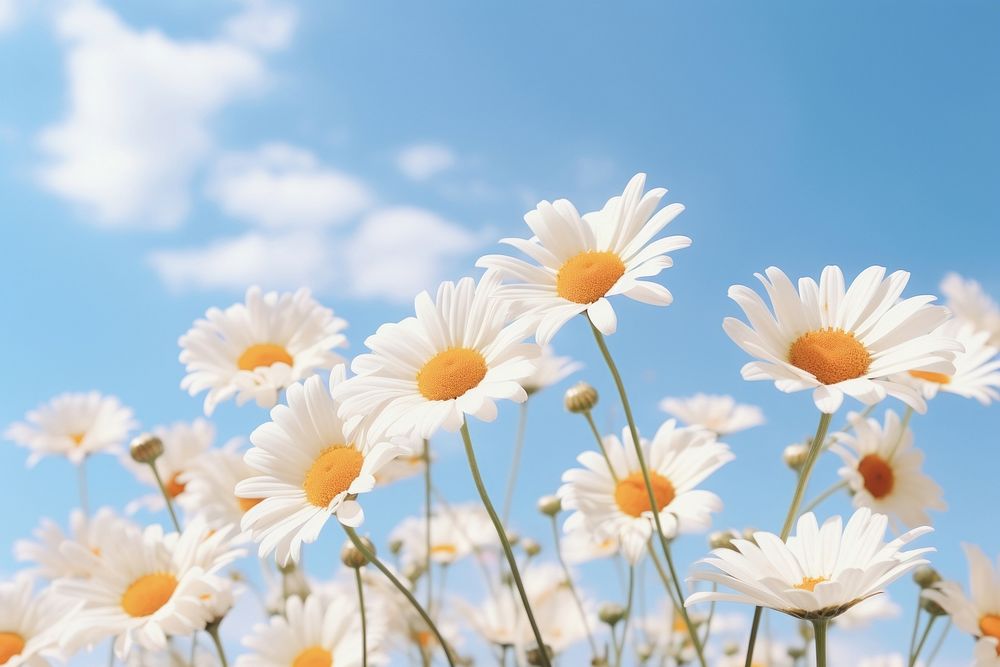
938, 644
166, 496
84, 499
364, 619
600, 443
820, 631
628, 614
653, 504
508, 552
380, 566
815, 502
515, 464
428, 511
213, 631
572, 589
923, 640
815, 448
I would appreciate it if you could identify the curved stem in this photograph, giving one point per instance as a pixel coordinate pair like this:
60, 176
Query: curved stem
628, 613
600, 443
916, 625
711, 615
502, 534
364, 620
515, 464
938, 644
428, 566
166, 496
820, 631
82, 473
923, 640
599, 338
815, 502
572, 589
903, 425
213, 631
380, 566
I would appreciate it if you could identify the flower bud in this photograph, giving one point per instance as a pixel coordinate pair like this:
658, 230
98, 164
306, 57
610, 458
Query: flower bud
611, 613
549, 505
413, 572
531, 547
513, 537
926, 576
644, 651
580, 398
731, 648
806, 631
352, 557
535, 655
932, 607
146, 448
796, 653
722, 539
795, 455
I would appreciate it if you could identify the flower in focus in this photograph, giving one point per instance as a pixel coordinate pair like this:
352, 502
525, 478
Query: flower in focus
549, 370
978, 613
836, 340
74, 426
581, 261
977, 369
183, 444
969, 303
308, 470
74, 555
150, 585
456, 532
455, 358
614, 502
721, 414
255, 349
882, 467
30, 623
820, 572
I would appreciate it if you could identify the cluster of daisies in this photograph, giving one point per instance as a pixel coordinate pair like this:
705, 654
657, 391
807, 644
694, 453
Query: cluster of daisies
179, 592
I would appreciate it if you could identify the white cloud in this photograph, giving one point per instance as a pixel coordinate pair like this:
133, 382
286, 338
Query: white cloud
422, 161
263, 25
282, 186
8, 13
139, 105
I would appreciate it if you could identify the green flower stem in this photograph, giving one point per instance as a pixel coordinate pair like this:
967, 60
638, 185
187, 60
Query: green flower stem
628, 614
502, 534
711, 615
923, 640
380, 566
572, 589
815, 502
815, 448
428, 565
364, 620
916, 624
938, 644
166, 496
213, 631
599, 338
820, 627
515, 464
600, 443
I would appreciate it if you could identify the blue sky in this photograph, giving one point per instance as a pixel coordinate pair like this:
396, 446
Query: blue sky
155, 161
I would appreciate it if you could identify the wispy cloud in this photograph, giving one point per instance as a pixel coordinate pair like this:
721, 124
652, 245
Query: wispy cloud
423, 161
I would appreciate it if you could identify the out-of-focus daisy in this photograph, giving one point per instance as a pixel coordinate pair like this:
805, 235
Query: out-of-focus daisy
76, 554
836, 340
183, 444
406, 465
978, 613
889, 660
882, 468
765, 654
150, 585
255, 349
456, 532
721, 414
455, 358
550, 369
970, 303
74, 426
667, 636
581, 261
876, 608
30, 624
308, 470
317, 632
820, 572
210, 486
615, 503
977, 369
583, 544
986, 652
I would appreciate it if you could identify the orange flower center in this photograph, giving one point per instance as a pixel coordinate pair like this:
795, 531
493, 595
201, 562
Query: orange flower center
989, 625
11, 644
810, 583
877, 474
444, 549
332, 473
263, 354
424, 638
586, 277
314, 656
174, 486
246, 504
938, 378
832, 355
633, 499
77, 439
148, 593
451, 373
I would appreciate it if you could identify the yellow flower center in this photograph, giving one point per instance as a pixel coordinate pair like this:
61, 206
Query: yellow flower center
832, 355
424, 638
246, 504
633, 499
939, 378
77, 439
989, 625
174, 486
877, 474
451, 373
586, 277
148, 593
810, 583
263, 354
444, 549
332, 473
314, 656
11, 644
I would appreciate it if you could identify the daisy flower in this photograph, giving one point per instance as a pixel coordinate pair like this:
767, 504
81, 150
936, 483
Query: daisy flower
615, 503
150, 585
836, 340
820, 572
308, 470
183, 444
977, 614
582, 545
316, 632
882, 470
30, 624
455, 358
456, 532
549, 370
253, 350
977, 369
721, 414
581, 261
969, 303
76, 554
74, 426
986, 652
210, 486
404, 466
